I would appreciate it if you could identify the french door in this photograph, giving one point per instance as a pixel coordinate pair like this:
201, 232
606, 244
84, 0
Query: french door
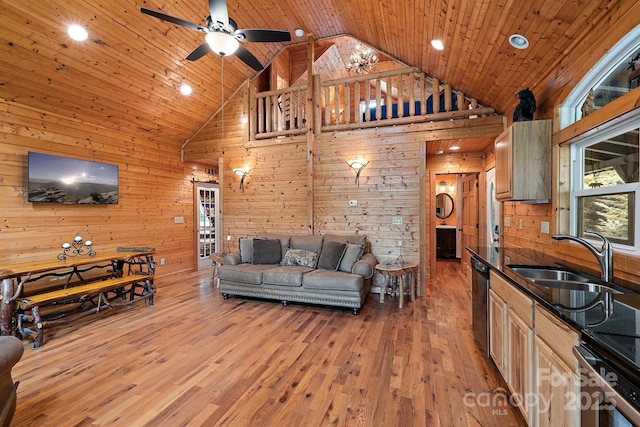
207, 219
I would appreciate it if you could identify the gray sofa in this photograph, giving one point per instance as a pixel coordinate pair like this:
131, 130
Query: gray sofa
328, 270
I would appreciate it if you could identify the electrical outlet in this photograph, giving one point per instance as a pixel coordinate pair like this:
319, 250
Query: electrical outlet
544, 227
521, 224
396, 220
353, 203
161, 261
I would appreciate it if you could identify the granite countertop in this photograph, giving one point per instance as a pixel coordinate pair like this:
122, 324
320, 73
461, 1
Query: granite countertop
610, 323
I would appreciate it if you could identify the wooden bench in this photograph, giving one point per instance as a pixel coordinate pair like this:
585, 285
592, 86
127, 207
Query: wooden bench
71, 303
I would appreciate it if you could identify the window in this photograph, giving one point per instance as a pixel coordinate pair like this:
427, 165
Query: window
605, 195
614, 75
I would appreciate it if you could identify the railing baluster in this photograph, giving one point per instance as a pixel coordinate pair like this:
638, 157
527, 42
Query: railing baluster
356, 102
400, 98
435, 97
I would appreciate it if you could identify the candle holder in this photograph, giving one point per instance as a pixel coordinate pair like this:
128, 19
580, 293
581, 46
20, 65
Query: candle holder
76, 248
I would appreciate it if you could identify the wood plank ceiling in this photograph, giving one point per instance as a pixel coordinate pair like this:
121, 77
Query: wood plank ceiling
127, 75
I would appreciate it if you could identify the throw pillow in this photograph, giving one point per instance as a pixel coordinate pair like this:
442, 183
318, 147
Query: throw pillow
300, 257
266, 251
245, 247
352, 253
331, 255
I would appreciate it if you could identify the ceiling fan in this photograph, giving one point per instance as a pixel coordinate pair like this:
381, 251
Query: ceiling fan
222, 34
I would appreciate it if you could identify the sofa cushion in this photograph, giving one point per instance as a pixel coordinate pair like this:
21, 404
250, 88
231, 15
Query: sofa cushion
331, 255
352, 253
245, 247
284, 240
308, 243
332, 280
300, 257
266, 251
285, 276
243, 273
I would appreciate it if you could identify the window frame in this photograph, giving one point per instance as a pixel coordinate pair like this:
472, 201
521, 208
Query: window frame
631, 122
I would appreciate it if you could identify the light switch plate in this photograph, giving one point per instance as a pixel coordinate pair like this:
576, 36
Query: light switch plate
396, 220
178, 220
544, 227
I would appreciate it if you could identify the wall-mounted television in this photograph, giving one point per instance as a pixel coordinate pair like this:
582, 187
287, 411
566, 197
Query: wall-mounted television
55, 179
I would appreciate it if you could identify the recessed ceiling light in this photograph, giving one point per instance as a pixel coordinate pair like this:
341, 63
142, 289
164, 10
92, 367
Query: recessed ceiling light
185, 89
454, 148
518, 41
77, 33
437, 44
299, 32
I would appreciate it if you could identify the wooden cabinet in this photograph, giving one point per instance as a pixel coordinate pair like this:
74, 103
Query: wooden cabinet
557, 384
498, 326
514, 338
523, 161
532, 349
445, 242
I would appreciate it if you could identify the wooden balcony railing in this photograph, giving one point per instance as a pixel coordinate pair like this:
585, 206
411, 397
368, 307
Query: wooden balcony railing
372, 100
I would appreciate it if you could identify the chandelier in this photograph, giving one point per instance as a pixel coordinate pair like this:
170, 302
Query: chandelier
362, 60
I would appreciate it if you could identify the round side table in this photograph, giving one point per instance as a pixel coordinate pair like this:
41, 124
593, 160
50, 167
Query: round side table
406, 271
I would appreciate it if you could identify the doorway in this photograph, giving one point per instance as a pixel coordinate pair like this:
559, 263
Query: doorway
207, 221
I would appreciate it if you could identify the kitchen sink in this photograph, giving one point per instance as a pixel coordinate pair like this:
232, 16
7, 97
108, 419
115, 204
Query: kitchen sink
551, 273
561, 278
574, 285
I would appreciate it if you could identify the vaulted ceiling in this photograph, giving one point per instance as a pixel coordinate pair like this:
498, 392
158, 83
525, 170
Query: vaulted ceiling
128, 73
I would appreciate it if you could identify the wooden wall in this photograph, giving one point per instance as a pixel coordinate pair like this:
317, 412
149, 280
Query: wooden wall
154, 187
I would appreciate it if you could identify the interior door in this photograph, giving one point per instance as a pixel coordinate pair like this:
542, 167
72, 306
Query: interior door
469, 185
206, 224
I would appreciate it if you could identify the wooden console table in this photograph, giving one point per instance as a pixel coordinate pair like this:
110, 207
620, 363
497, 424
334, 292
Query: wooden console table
406, 271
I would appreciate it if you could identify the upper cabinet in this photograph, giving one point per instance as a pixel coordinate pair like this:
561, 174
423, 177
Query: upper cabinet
523, 161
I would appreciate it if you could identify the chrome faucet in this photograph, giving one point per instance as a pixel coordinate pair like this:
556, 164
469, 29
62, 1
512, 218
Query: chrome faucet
603, 255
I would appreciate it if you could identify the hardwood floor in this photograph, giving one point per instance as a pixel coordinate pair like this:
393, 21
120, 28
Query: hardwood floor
195, 359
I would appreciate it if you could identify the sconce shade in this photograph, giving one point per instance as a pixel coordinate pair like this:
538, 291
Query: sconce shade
357, 166
242, 173
222, 43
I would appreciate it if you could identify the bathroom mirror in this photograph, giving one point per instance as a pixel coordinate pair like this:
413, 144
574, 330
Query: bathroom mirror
444, 205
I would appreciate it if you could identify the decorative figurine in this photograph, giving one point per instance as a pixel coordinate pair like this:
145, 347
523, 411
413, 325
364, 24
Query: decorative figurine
524, 110
588, 105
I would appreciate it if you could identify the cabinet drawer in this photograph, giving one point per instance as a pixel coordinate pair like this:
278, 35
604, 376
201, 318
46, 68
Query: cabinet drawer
559, 336
518, 302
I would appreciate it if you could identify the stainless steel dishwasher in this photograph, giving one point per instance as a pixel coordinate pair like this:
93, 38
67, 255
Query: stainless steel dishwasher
480, 303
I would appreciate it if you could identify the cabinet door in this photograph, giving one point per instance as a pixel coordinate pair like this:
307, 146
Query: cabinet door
519, 363
503, 165
498, 320
558, 389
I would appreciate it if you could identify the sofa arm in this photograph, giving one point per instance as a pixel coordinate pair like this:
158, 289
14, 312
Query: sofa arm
11, 350
365, 266
231, 259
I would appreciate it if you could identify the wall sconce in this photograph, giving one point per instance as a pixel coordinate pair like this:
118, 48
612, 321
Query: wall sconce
242, 173
445, 186
357, 166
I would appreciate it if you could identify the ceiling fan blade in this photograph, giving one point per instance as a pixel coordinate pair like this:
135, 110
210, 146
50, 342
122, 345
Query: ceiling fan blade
199, 52
173, 20
259, 35
248, 58
218, 10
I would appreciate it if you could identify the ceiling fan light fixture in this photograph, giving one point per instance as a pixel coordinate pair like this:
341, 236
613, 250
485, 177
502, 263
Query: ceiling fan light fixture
222, 43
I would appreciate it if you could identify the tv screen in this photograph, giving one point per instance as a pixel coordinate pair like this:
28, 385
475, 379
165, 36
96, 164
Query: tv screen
54, 179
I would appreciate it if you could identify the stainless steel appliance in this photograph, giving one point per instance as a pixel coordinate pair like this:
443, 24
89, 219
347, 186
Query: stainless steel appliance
480, 303
610, 394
